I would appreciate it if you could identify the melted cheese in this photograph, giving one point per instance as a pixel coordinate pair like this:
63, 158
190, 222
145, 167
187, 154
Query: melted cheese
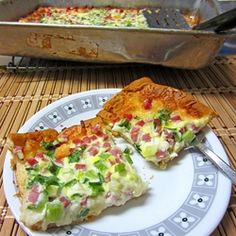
97, 185
107, 16
161, 146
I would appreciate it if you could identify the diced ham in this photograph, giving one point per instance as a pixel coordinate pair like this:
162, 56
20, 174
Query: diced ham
40, 155
86, 140
77, 141
128, 116
96, 129
116, 152
175, 117
93, 151
134, 137
93, 137
135, 129
140, 123
146, 137
161, 154
59, 161
194, 128
80, 166
168, 134
33, 194
147, 104
32, 161
182, 130
157, 122
66, 202
134, 133
107, 146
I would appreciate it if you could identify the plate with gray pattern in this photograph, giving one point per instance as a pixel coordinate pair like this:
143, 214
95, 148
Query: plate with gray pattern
185, 199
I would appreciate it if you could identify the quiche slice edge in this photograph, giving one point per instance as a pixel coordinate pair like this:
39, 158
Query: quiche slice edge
72, 176
158, 120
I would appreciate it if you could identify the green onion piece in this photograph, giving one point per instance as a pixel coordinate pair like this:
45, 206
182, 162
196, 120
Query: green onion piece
70, 183
75, 195
164, 115
50, 154
125, 123
96, 187
33, 168
100, 165
84, 212
178, 136
91, 174
104, 155
127, 153
47, 145
128, 158
54, 211
120, 168
43, 180
137, 147
75, 156
101, 178
53, 168
188, 136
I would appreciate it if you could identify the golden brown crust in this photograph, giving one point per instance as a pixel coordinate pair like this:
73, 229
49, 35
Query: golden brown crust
21, 177
131, 98
82, 129
29, 143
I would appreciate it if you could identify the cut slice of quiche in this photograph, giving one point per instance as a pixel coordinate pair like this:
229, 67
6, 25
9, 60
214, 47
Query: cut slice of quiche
157, 120
68, 177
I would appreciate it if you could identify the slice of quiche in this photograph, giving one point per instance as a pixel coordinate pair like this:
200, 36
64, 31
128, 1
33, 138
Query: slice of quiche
68, 177
158, 120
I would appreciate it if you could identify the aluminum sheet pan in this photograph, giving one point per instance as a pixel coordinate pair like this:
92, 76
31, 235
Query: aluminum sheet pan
174, 48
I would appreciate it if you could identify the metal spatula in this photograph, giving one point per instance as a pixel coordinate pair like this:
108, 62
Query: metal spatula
170, 18
213, 157
167, 18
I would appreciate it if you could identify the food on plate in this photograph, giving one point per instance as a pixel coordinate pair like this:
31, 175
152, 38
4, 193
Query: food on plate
103, 16
69, 177
159, 121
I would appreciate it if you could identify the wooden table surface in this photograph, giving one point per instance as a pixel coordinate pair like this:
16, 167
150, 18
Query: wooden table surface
23, 94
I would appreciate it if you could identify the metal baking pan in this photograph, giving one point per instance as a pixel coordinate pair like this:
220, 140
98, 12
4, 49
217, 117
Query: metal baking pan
179, 48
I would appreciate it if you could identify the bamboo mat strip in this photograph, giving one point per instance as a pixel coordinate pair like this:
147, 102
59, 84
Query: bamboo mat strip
24, 94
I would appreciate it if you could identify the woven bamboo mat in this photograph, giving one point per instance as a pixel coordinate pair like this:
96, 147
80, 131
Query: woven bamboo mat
23, 94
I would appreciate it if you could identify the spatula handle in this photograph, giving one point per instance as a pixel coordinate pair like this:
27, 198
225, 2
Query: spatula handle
220, 23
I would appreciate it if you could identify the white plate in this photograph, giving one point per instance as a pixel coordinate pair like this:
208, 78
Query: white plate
185, 199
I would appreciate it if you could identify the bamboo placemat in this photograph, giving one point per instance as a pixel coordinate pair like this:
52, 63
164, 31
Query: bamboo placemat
23, 94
